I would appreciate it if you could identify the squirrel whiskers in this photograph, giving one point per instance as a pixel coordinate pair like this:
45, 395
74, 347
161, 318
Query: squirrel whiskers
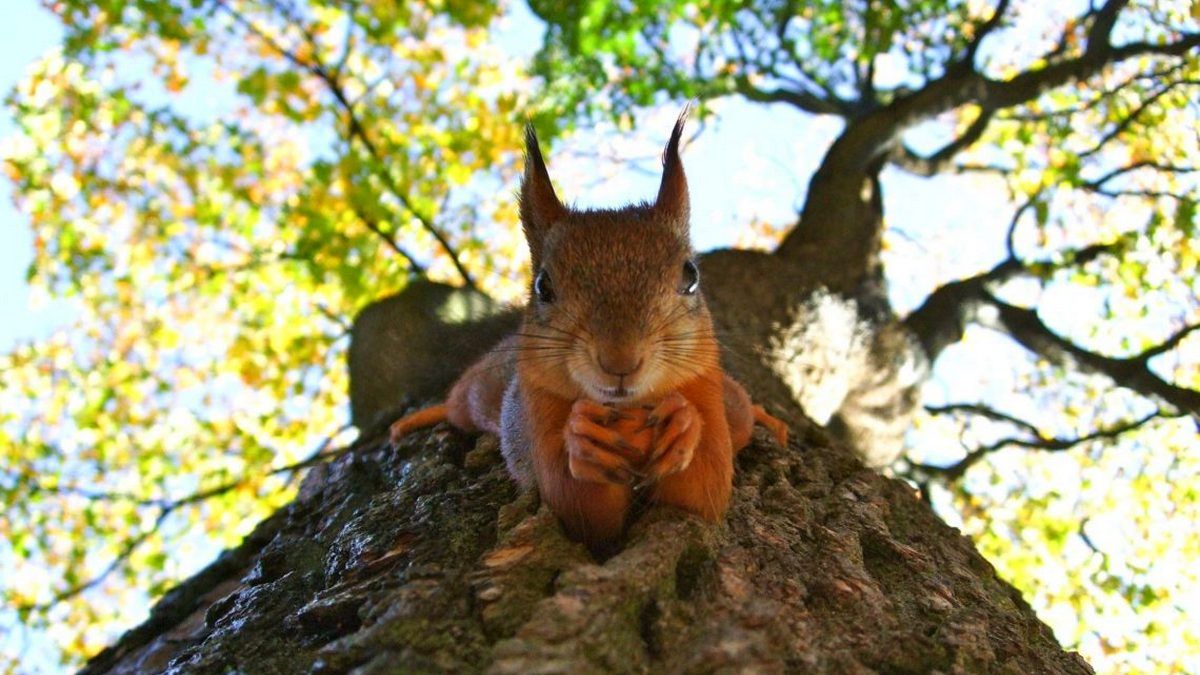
613, 382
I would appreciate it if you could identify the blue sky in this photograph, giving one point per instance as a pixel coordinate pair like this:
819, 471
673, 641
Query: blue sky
752, 162
26, 32
754, 159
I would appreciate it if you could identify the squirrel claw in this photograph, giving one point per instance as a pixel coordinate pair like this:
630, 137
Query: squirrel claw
676, 435
625, 447
615, 415
617, 476
592, 461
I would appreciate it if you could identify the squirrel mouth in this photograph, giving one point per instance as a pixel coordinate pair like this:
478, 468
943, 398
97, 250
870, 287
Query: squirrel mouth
622, 392
615, 394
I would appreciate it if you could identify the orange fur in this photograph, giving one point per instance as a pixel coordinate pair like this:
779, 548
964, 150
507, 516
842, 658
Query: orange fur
590, 512
703, 487
425, 417
614, 314
776, 426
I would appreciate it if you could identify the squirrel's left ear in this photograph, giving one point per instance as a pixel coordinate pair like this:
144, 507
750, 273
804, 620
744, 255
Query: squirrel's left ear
539, 206
672, 202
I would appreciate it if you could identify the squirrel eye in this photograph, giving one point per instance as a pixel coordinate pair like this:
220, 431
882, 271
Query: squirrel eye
542, 288
691, 279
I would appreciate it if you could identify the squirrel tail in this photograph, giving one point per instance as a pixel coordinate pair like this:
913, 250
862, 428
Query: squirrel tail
425, 417
776, 426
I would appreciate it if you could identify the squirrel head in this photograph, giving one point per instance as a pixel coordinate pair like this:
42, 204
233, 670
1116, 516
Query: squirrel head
615, 312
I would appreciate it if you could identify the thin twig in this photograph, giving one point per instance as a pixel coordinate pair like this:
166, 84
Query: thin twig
1039, 442
356, 129
166, 507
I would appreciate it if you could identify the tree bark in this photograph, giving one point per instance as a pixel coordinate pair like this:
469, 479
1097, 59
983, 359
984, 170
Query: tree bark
426, 558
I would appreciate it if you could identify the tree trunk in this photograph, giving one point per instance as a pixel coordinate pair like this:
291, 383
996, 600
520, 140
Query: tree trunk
427, 558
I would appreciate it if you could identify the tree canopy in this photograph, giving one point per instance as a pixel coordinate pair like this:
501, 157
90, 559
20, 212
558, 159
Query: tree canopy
219, 186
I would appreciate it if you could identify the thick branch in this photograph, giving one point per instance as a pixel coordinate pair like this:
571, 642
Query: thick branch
1101, 95
835, 216
1134, 373
953, 91
942, 318
940, 321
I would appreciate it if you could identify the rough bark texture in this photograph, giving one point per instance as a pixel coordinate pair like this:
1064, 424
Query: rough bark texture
426, 558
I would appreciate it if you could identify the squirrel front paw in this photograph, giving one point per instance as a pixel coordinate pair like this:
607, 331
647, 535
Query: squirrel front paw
676, 424
597, 453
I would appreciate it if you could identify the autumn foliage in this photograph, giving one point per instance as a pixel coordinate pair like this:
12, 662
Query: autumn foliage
218, 187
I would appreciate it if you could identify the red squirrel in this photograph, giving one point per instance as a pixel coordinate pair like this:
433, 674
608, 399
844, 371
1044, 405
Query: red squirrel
616, 340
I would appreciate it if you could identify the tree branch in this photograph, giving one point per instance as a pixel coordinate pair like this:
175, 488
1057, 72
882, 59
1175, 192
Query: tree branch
1167, 345
387, 238
1102, 94
1144, 194
984, 411
802, 97
1010, 235
1123, 125
1029, 85
940, 321
865, 76
123, 554
1094, 185
165, 508
355, 127
968, 59
801, 100
931, 165
836, 215
1027, 328
875, 133
1037, 442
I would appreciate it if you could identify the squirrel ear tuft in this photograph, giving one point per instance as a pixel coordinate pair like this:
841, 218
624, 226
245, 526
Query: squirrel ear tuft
672, 202
540, 208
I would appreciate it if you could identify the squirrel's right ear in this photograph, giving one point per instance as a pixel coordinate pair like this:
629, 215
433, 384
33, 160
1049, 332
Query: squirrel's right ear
540, 208
672, 202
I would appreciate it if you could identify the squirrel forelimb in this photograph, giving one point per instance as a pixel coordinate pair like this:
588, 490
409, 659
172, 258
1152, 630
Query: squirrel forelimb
614, 379
588, 458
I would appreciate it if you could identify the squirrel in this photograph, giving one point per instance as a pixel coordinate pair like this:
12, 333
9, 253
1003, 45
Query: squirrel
616, 339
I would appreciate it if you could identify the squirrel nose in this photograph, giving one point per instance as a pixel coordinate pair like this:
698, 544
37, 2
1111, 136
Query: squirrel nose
620, 363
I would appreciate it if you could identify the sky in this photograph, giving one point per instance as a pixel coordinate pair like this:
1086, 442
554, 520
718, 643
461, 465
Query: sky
26, 32
750, 162
758, 157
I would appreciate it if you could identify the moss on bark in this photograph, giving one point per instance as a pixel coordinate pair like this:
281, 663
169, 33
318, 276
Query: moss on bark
426, 558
